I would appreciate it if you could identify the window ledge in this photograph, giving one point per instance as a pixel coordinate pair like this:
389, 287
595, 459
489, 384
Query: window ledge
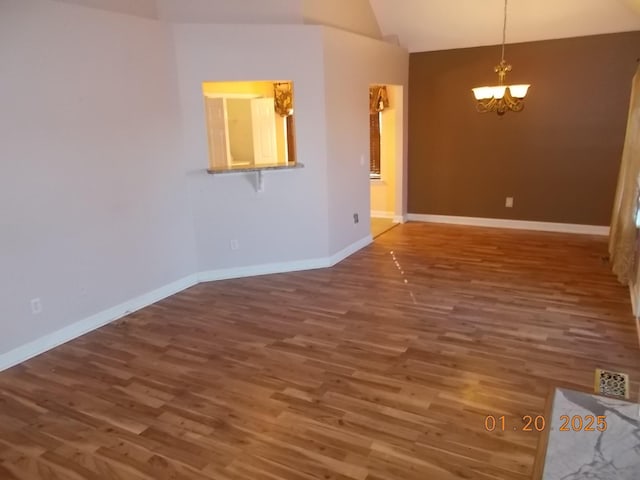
245, 169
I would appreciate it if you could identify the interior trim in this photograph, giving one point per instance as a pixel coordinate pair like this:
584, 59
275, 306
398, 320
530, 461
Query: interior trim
47, 342
514, 224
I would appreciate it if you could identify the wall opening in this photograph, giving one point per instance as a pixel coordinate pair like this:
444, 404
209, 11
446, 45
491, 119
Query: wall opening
385, 156
249, 124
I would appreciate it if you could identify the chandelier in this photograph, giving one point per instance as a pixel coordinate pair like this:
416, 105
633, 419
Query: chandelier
501, 98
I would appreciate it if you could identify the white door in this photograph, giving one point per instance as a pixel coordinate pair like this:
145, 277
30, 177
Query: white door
219, 156
265, 147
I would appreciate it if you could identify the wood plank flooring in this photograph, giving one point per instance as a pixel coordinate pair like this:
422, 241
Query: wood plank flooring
381, 368
381, 225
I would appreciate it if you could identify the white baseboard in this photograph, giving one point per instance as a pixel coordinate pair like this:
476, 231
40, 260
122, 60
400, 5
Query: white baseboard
77, 329
382, 214
349, 250
514, 224
388, 216
283, 267
257, 270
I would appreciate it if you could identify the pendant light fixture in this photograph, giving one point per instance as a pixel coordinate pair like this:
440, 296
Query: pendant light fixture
501, 98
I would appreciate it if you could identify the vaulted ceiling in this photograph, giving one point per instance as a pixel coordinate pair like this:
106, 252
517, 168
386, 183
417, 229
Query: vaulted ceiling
425, 25
419, 25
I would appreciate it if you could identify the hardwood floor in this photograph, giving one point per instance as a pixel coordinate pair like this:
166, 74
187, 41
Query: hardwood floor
381, 368
381, 225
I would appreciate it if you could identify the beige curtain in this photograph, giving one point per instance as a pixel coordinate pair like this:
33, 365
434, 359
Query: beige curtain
623, 235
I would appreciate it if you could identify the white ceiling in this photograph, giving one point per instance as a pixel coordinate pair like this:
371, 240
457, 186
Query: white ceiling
426, 25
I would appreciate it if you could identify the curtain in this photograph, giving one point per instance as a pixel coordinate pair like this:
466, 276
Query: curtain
283, 98
374, 143
623, 234
378, 99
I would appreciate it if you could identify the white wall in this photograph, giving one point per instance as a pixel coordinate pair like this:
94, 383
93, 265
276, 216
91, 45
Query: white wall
354, 16
140, 8
351, 15
288, 221
634, 4
103, 191
93, 202
231, 11
352, 63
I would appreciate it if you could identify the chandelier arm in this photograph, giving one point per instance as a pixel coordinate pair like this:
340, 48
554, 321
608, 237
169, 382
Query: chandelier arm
514, 104
500, 105
485, 106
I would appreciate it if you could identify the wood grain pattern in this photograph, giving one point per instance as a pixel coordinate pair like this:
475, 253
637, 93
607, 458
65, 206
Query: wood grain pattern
381, 368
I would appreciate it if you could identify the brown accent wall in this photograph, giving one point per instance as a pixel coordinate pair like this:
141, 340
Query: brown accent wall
558, 158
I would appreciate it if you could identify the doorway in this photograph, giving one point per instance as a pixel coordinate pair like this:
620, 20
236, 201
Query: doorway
385, 156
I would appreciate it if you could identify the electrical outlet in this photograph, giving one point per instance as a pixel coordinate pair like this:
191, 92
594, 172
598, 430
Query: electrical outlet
234, 244
36, 306
355, 218
508, 202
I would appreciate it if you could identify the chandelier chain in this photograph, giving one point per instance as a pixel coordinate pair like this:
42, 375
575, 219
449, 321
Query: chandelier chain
504, 29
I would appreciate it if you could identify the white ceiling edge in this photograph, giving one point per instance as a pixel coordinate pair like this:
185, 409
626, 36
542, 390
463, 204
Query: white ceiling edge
354, 16
429, 25
137, 8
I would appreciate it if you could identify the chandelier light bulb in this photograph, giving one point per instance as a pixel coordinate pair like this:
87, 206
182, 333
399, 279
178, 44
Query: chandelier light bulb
518, 91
